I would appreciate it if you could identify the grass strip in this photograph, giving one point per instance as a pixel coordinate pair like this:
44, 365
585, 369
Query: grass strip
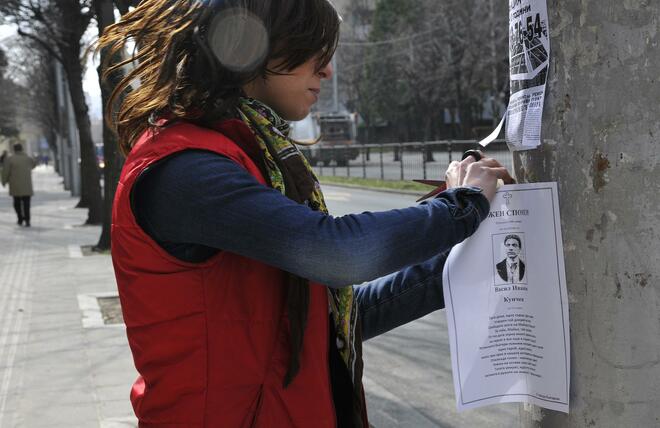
377, 184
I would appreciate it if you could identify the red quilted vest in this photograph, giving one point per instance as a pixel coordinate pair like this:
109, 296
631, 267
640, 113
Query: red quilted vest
210, 340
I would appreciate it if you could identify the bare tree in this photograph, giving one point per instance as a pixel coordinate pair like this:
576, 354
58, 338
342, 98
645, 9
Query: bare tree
58, 27
32, 68
10, 94
416, 59
350, 57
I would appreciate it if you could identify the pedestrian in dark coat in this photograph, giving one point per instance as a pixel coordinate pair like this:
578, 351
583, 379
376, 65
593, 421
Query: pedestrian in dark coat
3, 158
17, 172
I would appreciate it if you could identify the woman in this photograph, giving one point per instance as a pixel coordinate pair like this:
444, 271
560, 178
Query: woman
235, 283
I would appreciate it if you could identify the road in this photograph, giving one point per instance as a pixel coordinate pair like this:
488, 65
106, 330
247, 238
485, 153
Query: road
408, 377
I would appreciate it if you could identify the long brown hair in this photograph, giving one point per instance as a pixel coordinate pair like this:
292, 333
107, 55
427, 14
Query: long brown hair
176, 71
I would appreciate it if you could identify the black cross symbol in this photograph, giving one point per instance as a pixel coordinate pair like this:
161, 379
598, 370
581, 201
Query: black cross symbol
508, 197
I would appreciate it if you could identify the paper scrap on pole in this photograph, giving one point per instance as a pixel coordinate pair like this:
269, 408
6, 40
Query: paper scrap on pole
529, 59
506, 304
493, 135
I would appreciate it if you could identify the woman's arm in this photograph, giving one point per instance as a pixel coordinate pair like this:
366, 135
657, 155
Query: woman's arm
205, 199
404, 296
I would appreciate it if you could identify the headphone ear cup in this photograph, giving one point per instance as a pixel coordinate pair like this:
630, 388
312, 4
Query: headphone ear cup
238, 39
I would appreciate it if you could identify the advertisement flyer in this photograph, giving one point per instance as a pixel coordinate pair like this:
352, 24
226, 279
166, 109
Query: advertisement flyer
507, 306
529, 61
529, 58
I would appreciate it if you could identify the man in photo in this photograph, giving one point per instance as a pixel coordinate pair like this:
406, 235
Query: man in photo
512, 269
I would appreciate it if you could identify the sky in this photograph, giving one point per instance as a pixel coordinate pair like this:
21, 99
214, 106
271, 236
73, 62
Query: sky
90, 82
6, 31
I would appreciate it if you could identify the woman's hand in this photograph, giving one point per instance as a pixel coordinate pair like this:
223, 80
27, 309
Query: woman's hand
483, 174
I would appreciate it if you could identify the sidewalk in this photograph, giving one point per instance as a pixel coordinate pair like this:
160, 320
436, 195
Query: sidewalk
53, 371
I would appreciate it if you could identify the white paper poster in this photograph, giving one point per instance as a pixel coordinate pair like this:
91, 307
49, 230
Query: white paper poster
529, 58
507, 306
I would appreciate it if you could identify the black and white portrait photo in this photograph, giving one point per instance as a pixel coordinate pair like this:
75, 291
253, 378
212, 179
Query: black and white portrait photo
510, 268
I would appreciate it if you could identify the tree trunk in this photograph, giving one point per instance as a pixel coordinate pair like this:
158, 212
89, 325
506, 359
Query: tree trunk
113, 161
459, 104
428, 126
51, 137
600, 134
89, 170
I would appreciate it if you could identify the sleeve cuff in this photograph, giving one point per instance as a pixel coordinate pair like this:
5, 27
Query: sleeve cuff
467, 199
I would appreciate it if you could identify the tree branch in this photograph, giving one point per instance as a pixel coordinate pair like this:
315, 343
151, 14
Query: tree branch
124, 5
42, 43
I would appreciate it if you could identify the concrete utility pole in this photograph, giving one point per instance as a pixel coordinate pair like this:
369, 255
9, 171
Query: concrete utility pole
601, 143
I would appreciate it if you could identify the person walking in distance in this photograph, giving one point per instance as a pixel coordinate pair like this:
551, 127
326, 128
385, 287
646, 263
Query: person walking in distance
17, 172
3, 158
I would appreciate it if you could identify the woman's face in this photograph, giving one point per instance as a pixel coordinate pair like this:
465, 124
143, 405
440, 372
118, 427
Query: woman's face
291, 95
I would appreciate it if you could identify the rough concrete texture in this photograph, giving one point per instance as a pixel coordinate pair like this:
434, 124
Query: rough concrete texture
601, 134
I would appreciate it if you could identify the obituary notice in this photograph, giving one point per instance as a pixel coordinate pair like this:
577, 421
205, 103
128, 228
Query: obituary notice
507, 306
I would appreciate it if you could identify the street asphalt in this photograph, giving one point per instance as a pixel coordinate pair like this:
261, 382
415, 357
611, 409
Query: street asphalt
60, 366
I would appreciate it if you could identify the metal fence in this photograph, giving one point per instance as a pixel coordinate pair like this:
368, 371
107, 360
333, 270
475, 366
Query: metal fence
404, 161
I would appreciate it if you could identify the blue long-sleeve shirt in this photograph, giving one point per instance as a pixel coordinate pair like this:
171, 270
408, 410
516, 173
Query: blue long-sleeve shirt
196, 203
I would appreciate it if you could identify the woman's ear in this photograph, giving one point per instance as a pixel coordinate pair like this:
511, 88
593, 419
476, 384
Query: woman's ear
248, 89
254, 87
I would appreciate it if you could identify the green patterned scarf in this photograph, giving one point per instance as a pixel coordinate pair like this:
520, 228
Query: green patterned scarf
290, 173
